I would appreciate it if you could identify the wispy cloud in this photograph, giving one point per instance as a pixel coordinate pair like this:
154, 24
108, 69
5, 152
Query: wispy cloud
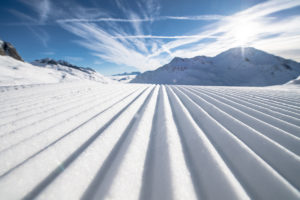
41, 7
159, 18
193, 18
110, 49
162, 36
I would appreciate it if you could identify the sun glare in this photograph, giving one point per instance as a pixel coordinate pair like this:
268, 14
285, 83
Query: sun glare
244, 32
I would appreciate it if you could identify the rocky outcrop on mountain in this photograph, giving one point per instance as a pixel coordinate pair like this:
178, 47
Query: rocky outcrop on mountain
50, 61
7, 49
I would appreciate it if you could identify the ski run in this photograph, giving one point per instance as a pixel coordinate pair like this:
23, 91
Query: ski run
135, 141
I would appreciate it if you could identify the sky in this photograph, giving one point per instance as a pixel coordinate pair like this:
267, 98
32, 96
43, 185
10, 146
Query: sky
115, 36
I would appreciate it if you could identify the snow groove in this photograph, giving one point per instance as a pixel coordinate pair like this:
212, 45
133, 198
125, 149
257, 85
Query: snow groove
117, 141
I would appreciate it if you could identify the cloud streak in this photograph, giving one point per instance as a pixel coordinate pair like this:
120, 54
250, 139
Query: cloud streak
160, 18
162, 36
41, 7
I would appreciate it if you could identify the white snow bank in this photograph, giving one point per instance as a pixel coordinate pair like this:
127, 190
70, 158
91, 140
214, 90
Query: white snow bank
14, 72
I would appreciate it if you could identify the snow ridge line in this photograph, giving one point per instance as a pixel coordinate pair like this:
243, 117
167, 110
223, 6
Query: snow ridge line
111, 163
37, 95
288, 128
264, 169
287, 110
279, 138
153, 160
62, 122
56, 172
274, 93
282, 154
63, 136
50, 100
46, 108
17, 137
265, 98
4, 154
49, 116
268, 91
152, 142
257, 106
216, 165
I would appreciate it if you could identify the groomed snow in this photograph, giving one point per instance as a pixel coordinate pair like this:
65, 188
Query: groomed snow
126, 141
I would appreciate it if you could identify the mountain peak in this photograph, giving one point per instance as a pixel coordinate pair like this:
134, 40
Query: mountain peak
241, 51
235, 67
177, 59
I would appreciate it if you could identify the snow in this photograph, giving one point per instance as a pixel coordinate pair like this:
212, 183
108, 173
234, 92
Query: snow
235, 67
122, 78
125, 77
14, 72
295, 81
85, 140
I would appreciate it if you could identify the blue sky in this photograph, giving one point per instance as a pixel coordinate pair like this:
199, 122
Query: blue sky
114, 36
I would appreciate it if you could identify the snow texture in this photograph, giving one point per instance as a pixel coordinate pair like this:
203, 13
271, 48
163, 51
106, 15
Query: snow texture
235, 67
85, 140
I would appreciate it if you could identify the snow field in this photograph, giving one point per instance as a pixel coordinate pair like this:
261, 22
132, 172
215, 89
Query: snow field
117, 141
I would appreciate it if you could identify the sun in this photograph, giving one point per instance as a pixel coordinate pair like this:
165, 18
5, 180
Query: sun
244, 32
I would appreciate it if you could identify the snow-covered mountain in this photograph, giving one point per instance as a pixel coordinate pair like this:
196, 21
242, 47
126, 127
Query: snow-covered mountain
234, 67
124, 77
15, 72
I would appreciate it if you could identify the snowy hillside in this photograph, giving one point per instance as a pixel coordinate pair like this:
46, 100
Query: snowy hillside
235, 67
133, 141
70, 71
15, 72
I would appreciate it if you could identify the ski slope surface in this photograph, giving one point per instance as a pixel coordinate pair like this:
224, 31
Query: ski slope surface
130, 141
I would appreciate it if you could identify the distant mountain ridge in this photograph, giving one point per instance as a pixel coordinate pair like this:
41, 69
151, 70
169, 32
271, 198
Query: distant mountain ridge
234, 67
64, 63
127, 73
125, 77
70, 70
